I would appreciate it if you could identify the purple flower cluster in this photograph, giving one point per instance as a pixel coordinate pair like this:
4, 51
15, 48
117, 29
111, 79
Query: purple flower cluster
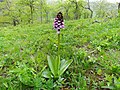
58, 24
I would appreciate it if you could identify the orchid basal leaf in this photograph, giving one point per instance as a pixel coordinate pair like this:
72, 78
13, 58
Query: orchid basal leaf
47, 74
54, 65
64, 65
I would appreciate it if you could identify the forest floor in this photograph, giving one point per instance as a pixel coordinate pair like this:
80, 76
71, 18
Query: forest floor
93, 47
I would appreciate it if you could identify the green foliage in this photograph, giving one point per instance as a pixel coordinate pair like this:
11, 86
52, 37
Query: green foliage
57, 67
33, 11
94, 49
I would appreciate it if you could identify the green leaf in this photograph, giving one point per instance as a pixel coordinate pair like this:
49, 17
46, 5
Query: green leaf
6, 85
64, 65
39, 74
47, 74
37, 83
53, 65
108, 87
99, 72
50, 84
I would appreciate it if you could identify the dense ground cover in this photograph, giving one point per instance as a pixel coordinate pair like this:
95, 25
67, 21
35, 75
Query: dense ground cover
93, 47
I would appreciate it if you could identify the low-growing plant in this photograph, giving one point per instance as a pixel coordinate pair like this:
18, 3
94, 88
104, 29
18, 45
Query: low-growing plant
56, 66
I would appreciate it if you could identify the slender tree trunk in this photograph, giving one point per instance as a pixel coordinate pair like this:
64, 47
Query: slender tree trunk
119, 9
67, 14
41, 18
31, 14
91, 15
76, 14
41, 7
76, 11
14, 22
47, 16
31, 11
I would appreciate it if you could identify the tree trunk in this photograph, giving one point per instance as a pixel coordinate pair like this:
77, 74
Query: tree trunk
76, 11
67, 15
118, 6
41, 17
119, 9
47, 16
14, 22
91, 15
41, 5
31, 14
31, 11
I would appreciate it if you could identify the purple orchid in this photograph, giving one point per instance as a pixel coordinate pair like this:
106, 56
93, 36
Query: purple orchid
58, 22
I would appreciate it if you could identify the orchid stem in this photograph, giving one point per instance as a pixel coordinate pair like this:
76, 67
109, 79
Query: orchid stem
59, 46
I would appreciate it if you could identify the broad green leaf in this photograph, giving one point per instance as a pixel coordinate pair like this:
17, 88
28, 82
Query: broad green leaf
53, 65
64, 65
56, 65
47, 74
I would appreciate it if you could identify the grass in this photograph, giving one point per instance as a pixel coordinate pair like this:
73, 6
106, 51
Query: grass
95, 49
